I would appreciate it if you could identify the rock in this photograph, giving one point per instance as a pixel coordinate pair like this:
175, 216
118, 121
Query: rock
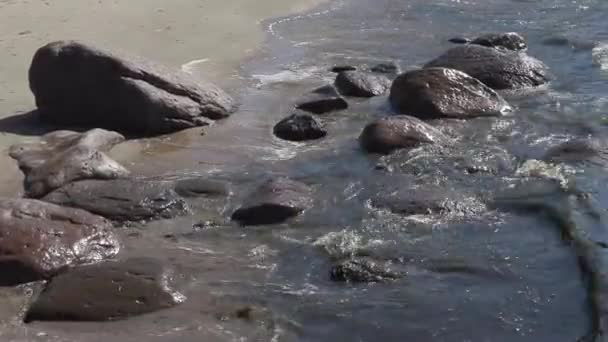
126, 199
509, 40
106, 292
64, 156
199, 186
39, 240
77, 84
390, 68
576, 44
299, 128
396, 132
362, 84
496, 68
322, 100
427, 201
363, 270
579, 149
433, 93
459, 40
341, 68
275, 201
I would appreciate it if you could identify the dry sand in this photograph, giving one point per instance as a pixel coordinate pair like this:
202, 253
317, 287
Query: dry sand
218, 33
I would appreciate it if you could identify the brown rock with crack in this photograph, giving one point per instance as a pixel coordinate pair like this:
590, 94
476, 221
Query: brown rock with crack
38, 240
77, 84
62, 157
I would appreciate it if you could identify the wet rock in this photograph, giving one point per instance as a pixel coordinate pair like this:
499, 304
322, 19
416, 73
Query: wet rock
509, 40
64, 156
444, 93
427, 201
576, 44
362, 84
341, 68
389, 68
496, 68
126, 199
363, 270
77, 84
322, 100
579, 149
39, 240
299, 128
106, 292
199, 186
401, 131
275, 201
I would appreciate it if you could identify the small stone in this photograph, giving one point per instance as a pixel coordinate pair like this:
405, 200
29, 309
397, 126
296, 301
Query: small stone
322, 100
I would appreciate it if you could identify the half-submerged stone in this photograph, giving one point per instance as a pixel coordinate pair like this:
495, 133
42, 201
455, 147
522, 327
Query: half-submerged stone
299, 127
39, 240
275, 201
507, 40
363, 270
108, 291
64, 156
434, 93
80, 85
362, 84
322, 100
496, 68
396, 132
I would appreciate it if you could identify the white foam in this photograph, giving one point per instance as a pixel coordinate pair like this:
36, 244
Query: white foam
190, 66
600, 56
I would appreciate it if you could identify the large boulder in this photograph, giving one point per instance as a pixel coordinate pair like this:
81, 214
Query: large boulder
433, 93
322, 100
299, 127
127, 199
275, 201
64, 156
39, 240
362, 84
401, 131
105, 292
77, 84
496, 68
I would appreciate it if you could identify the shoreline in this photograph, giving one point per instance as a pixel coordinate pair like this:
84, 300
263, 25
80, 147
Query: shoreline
172, 33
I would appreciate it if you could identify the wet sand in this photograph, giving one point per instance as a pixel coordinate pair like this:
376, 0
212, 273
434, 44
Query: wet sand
216, 34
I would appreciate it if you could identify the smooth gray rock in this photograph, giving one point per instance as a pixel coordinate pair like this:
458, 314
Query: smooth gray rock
322, 100
77, 84
362, 84
434, 93
39, 240
275, 201
496, 68
106, 292
62, 157
396, 132
299, 127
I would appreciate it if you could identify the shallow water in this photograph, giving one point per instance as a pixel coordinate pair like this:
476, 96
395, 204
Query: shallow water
483, 272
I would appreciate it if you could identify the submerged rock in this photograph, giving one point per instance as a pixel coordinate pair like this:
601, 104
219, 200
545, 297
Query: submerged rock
580, 149
496, 68
509, 40
322, 100
106, 292
39, 240
64, 156
444, 93
362, 84
388, 134
389, 68
122, 199
427, 201
77, 84
199, 186
299, 127
363, 270
275, 201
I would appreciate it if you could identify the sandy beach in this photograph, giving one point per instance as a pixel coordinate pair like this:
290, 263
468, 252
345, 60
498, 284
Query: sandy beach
216, 34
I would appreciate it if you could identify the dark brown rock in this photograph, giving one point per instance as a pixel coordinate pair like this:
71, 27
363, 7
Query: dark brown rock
39, 240
401, 131
275, 201
126, 199
77, 84
299, 127
496, 68
433, 93
362, 84
64, 156
106, 292
322, 100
